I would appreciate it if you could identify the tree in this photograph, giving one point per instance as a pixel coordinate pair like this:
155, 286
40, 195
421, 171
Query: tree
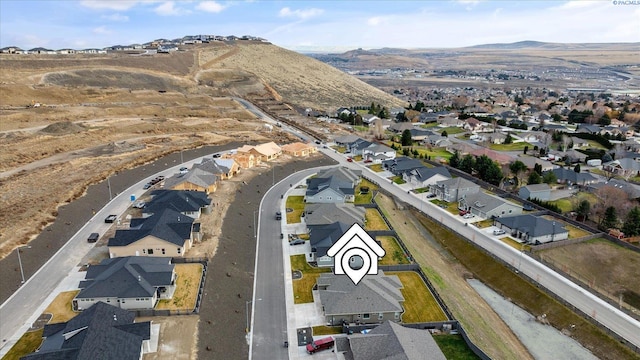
526, 148
611, 196
583, 209
454, 160
467, 164
631, 225
488, 170
549, 178
444, 133
517, 167
534, 178
538, 168
609, 220
384, 113
372, 108
406, 138
508, 139
577, 168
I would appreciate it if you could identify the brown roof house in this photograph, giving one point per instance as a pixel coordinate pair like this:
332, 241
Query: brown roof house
266, 152
164, 234
245, 160
299, 149
376, 298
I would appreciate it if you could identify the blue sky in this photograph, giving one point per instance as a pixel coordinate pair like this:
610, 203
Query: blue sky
318, 25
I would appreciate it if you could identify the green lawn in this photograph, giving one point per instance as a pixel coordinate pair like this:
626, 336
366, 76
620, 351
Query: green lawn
28, 343
340, 149
326, 330
429, 125
514, 244
376, 167
568, 204
364, 198
373, 220
454, 347
394, 254
302, 287
297, 204
398, 180
511, 147
419, 304
452, 130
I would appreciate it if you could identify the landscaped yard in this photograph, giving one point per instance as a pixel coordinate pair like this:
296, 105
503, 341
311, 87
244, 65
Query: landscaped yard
364, 192
340, 149
61, 307
297, 204
514, 244
419, 304
569, 204
454, 347
326, 330
302, 287
398, 180
373, 220
452, 130
187, 284
394, 254
511, 147
376, 168
28, 343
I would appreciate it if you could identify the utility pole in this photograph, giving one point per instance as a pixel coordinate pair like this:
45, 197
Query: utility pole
247, 314
109, 185
20, 260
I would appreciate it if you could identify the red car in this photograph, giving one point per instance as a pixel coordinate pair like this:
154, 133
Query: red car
349, 159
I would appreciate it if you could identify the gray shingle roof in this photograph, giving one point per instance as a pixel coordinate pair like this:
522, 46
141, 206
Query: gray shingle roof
318, 214
197, 176
168, 225
533, 225
103, 332
341, 180
375, 293
391, 341
424, 173
402, 164
127, 277
179, 200
322, 237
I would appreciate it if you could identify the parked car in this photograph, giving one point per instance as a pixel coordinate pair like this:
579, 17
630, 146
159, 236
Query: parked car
110, 219
184, 170
468, 215
462, 212
297, 242
499, 232
527, 207
93, 237
147, 185
278, 215
349, 159
139, 205
217, 155
320, 344
431, 196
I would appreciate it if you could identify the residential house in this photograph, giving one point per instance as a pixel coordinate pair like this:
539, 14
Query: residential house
346, 140
571, 156
190, 203
424, 176
420, 134
195, 179
632, 190
535, 191
474, 125
344, 112
452, 190
101, 332
589, 129
245, 160
437, 140
165, 234
530, 162
377, 298
532, 229
401, 164
428, 117
223, 168
299, 149
321, 238
450, 122
369, 119
378, 152
625, 167
570, 177
497, 138
535, 137
391, 341
357, 147
400, 127
497, 156
578, 142
335, 185
132, 283
328, 213
488, 206
266, 152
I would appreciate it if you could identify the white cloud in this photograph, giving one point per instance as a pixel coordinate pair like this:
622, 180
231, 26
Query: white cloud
210, 6
115, 17
109, 4
300, 13
376, 20
102, 30
168, 8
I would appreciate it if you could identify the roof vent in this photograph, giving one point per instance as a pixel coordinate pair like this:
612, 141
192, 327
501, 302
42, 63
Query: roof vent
115, 318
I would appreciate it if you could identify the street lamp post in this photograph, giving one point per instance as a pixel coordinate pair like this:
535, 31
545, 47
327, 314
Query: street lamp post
20, 260
181, 158
255, 231
247, 313
109, 186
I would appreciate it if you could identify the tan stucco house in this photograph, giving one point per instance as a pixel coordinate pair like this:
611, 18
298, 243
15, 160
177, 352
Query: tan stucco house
299, 149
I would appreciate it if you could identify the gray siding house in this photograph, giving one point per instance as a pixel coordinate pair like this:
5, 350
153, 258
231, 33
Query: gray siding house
532, 229
452, 190
335, 185
535, 191
130, 283
487, 206
422, 177
321, 238
377, 298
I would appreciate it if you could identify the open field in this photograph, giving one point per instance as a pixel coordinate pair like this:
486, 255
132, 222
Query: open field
419, 305
373, 220
187, 284
606, 267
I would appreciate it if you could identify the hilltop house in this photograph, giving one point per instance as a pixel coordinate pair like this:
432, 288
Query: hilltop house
101, 332
164, 234
131, 283
377, 298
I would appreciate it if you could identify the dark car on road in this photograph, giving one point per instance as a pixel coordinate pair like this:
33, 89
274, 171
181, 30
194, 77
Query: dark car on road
111, 218
278, 215
297, 242
93, 237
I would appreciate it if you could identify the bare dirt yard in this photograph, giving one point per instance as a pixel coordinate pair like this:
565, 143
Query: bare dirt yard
178, 337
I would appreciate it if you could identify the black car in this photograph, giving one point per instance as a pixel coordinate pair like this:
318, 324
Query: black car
278, 215
297, 242
93, 237
110, 219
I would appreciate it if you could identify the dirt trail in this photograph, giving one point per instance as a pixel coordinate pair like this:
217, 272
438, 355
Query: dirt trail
484, 326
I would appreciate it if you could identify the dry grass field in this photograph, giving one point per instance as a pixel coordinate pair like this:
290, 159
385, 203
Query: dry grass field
187, 285
61, 307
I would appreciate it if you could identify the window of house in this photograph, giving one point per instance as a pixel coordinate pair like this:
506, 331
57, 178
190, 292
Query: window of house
150, 251
366, 316
396, 315
380, 316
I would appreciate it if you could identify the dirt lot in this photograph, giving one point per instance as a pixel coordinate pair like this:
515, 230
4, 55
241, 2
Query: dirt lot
178, 337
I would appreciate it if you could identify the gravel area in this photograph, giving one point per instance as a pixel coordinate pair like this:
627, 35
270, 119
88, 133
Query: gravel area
542, 341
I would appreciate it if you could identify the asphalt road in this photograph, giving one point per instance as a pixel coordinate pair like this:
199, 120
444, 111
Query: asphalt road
607, 315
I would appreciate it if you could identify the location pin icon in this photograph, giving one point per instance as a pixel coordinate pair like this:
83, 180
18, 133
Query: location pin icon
355, 274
